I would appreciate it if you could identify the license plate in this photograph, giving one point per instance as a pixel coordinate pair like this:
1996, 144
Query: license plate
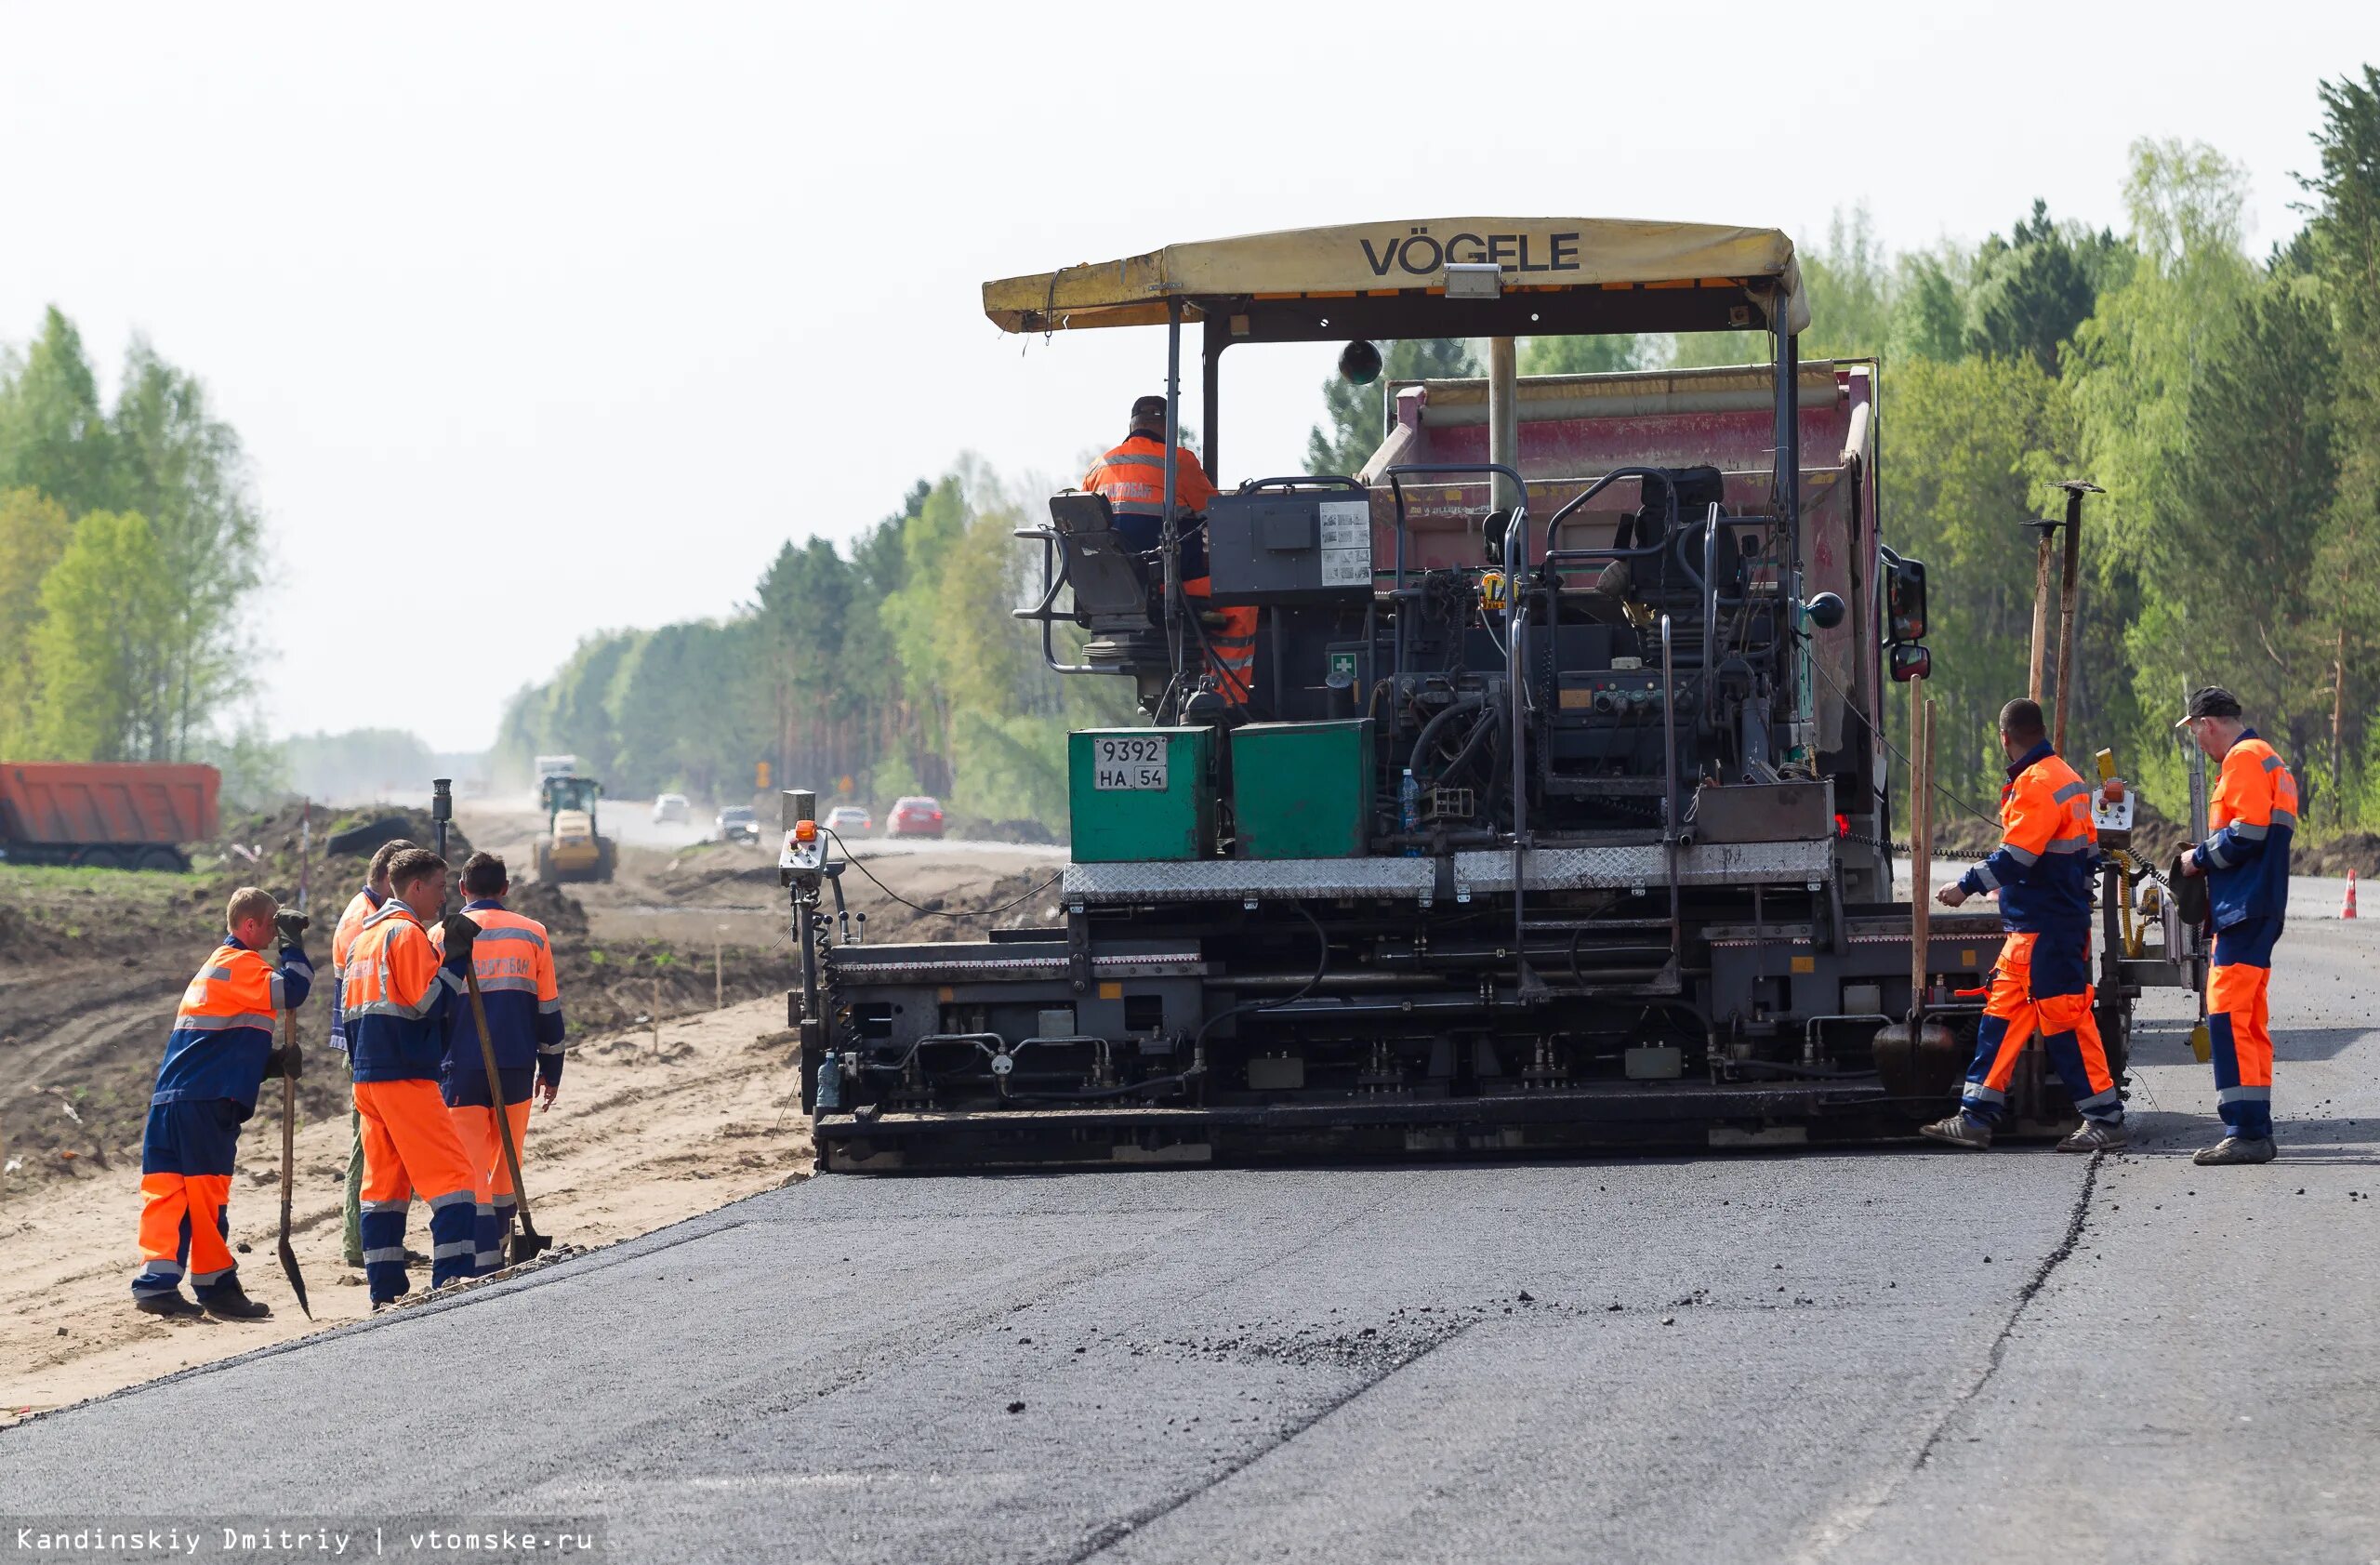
1129, 762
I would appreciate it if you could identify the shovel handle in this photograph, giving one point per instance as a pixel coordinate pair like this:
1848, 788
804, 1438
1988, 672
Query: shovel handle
288, 1129
495, 1095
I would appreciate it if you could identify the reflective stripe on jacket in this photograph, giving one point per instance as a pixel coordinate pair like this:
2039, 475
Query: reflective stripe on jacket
2253, 817
224, 1027
360, 908
514, 960
400, 998
2042, 868
1132, 477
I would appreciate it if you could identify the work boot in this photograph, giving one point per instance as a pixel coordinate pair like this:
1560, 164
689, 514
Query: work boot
1959, 1131
2095, 1135
2238, 1150
173, 1306
231, 1303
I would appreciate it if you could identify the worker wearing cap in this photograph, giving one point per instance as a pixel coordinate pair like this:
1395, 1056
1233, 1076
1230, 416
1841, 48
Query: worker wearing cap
2253, 816
221, 1052
1132, 477
514, 961
362, 906
400, 1002
2041, 871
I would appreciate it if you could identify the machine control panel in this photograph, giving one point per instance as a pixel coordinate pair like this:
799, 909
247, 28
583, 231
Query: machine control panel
1301, 545
1617, 694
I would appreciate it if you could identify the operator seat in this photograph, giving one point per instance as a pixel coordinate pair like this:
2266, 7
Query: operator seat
1107, 574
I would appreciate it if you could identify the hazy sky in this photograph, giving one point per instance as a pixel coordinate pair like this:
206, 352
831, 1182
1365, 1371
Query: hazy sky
540, 320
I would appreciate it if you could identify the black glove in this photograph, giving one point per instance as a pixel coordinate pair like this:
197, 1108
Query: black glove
288, 1061
292, 927
460, 931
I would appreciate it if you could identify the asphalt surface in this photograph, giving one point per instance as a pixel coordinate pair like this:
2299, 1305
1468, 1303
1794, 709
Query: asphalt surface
1886, 1356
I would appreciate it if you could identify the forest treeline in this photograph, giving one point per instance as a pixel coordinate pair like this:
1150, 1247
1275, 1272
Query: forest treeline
2227, 402
890, 667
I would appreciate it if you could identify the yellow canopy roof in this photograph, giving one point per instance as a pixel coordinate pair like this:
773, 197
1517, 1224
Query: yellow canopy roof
1390, 259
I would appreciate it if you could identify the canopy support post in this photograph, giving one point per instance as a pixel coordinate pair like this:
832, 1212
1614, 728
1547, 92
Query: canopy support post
1168, 541
1504, 425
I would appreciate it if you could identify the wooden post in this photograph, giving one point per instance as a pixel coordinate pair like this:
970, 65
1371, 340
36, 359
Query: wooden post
718, 975
1921, 844
656, 1014
2041, 619
2070, 588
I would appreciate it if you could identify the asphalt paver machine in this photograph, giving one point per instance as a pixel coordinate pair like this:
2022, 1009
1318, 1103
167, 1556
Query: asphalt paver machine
1554, 812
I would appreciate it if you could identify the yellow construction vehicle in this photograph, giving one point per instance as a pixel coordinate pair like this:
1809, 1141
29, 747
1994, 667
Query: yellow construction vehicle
571, 848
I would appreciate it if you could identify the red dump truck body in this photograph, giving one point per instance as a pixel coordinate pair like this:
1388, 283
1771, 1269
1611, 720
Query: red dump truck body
109, 814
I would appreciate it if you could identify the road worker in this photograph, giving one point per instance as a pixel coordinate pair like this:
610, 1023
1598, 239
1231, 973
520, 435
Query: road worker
401, 999
359, 908
222, 1050
1132, 477
514, 961
2041, 871
2251, 815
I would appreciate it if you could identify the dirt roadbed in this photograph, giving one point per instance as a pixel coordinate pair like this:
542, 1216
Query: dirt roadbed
637, 1140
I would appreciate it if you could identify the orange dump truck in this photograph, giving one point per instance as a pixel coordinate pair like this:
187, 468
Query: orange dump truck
105, 815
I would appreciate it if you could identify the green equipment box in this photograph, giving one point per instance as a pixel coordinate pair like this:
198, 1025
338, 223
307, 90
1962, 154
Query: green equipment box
1140, 793
1301, 790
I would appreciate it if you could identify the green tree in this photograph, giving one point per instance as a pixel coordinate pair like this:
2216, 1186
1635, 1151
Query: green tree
179, 466
1971, 442
34, 533
2344, 252
1585, 355
2131, 376
98, 657
2033, 288
2237, 596
54, 437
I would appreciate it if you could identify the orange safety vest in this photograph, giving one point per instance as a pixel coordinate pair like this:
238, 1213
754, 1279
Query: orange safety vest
1132, 477
396, 994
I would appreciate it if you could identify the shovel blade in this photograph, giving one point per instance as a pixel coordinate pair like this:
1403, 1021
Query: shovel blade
296, 1277
523, 1243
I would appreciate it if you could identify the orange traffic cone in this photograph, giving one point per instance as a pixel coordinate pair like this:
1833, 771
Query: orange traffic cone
2346, 909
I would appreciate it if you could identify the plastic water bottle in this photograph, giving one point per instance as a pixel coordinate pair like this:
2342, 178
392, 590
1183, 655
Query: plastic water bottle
1409, 807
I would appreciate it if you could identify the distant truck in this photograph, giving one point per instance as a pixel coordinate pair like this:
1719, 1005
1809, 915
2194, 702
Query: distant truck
106, 815
550, 766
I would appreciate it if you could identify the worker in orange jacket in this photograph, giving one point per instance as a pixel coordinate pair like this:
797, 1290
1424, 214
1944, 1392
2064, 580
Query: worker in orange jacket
1132, 477
2252, 818
401, 999
221, 1052
2042, 872
362, 906
514, 961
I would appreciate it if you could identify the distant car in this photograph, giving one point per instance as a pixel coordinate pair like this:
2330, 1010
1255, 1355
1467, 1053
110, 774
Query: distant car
737, 823
850, 820
669, 807
915, 815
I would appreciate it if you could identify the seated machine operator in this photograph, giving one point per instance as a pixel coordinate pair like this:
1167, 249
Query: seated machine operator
1132, 477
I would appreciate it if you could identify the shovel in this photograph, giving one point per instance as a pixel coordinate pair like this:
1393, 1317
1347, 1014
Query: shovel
525, 1244
289, 1172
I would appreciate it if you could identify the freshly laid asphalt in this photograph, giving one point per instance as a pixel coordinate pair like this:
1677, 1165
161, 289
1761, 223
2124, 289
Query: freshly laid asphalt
1882, 1356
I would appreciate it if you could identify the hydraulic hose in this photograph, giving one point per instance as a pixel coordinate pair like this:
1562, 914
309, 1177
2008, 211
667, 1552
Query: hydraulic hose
1321, 965
1439, 719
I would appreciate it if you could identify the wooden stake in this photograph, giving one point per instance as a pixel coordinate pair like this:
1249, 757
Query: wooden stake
656, 1014
1921, 844
2042, 578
